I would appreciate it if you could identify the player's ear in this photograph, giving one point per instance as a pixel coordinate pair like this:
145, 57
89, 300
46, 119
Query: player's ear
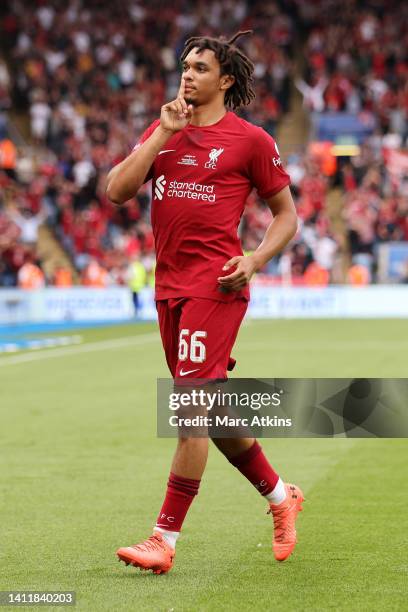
226, 81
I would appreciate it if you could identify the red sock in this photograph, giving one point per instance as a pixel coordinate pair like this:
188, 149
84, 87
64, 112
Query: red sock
180, 493
253, 464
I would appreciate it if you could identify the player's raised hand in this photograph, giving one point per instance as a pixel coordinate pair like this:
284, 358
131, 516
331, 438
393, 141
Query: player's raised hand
177, 114
245, 266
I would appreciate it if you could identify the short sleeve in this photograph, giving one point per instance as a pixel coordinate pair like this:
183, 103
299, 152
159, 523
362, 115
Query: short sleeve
146, 134
265, 166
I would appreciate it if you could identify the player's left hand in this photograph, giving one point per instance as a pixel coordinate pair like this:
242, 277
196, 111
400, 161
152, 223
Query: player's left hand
246, 266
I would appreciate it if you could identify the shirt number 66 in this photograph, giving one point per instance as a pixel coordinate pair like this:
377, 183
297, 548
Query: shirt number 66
196, 349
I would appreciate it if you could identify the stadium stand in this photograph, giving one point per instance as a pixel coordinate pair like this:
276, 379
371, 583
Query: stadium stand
356, 85
82, 81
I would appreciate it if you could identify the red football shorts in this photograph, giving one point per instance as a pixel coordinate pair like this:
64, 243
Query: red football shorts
198, 335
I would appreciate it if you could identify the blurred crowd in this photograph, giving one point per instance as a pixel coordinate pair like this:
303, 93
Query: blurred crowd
356, 61
90, 77
311, 256
375, 204
342, 245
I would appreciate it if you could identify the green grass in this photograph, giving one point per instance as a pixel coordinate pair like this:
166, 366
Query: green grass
82, 472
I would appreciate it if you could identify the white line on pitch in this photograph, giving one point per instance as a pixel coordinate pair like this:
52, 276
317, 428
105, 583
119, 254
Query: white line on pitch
115, 343
37, 344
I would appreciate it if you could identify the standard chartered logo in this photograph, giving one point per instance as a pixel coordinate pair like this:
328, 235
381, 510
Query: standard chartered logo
159, 187
178, 189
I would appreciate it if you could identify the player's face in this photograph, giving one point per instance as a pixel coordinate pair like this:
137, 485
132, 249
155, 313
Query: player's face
203, 82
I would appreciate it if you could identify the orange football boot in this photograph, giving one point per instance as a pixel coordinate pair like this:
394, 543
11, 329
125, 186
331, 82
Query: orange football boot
284, 518
154, 553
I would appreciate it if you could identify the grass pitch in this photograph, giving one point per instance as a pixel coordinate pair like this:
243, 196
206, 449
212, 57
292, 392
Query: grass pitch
82, 473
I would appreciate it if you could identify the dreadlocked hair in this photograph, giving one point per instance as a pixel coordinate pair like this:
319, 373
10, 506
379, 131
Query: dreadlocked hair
232, 61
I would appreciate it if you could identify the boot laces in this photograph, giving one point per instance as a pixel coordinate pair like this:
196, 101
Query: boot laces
151, 544
279, 523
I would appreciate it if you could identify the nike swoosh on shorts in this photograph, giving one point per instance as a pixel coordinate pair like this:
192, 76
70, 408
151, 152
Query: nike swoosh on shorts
166, 151
188, 372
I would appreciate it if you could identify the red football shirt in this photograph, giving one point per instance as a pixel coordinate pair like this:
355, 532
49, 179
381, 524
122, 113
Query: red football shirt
201, 180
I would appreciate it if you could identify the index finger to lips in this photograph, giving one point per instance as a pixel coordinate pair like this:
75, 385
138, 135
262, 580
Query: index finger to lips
182, 88
180, 96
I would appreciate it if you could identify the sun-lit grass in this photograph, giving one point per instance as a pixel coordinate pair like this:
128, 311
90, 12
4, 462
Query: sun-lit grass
82, 472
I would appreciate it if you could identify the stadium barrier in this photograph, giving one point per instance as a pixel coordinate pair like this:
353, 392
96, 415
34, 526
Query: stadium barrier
375, 301
115, 304
57, 305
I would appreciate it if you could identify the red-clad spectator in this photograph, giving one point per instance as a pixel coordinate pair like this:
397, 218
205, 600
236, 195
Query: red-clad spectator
313, 188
